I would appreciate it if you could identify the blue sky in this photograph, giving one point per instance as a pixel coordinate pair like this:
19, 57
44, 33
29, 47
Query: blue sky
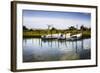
61, 20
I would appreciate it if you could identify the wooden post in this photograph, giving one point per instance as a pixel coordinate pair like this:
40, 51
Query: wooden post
76, 37
82, 39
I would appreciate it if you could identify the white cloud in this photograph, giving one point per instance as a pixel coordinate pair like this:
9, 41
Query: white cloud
38, 22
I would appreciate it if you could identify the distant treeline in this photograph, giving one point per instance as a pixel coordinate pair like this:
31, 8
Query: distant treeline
53, 28
41, 32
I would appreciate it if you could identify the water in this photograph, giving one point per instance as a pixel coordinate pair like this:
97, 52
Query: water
36, 49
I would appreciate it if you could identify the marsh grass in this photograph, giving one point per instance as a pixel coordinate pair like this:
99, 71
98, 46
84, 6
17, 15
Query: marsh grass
39, 33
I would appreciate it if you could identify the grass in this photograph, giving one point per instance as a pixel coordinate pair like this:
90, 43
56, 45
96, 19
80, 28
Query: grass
39, 33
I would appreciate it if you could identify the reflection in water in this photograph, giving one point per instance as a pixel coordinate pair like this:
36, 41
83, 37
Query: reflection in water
36, 49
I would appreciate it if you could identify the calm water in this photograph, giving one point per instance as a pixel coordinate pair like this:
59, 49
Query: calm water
36, 49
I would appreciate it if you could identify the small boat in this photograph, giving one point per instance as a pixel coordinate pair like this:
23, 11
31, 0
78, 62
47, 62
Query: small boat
47, 37
76, 36
62, 37
56, 36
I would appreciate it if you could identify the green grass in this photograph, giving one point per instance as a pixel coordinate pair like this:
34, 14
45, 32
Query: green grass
39, 33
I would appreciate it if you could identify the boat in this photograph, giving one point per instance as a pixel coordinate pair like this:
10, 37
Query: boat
64, 37
76, 37
47, 37
56, 36
60, 36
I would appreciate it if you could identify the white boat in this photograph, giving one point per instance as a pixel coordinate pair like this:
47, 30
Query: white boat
76, 36
56, 36
53, 36
62, 36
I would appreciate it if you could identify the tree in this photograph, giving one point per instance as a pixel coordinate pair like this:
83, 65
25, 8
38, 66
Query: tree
89, 29
31, 29
53, 28
25, 28
84, 28
72, 28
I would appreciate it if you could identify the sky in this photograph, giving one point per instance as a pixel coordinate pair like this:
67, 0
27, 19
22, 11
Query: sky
35, 19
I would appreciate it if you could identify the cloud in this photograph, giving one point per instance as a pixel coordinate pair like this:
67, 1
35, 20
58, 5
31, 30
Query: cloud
59, 23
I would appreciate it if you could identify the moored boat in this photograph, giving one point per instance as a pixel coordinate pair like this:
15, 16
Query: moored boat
67, 37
